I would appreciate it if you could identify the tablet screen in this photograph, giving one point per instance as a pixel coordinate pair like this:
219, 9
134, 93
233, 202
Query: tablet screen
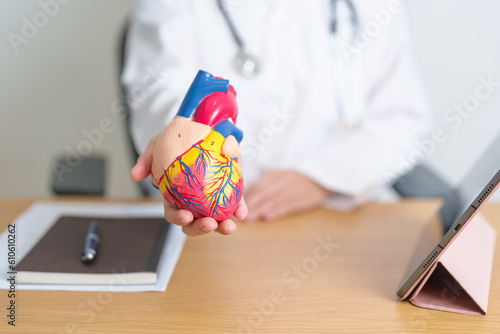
460, 199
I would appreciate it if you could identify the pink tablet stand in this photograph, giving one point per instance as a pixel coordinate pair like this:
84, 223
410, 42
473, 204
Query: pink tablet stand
460, 280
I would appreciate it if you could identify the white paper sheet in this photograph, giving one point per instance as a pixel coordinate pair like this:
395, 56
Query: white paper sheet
33, 223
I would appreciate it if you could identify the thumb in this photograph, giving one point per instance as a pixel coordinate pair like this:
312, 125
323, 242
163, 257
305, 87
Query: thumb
142, 167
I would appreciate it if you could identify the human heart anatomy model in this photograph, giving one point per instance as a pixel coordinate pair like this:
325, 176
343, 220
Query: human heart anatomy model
195, 160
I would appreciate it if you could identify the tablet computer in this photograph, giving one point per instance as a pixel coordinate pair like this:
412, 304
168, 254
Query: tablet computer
459, 209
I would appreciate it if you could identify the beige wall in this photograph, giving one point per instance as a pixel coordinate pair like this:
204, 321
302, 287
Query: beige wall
455, 43
63, 81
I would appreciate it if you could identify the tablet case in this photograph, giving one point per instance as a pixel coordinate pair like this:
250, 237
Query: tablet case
460, 280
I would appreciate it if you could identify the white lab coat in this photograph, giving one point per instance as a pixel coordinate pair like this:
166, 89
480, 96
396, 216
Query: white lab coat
288, 112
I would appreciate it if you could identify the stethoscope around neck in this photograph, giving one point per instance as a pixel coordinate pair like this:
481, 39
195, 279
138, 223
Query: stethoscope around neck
247, 63
348, 73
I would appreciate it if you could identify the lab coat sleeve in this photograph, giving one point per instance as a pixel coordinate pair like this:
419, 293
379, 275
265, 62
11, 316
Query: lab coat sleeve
355, 163
160, 64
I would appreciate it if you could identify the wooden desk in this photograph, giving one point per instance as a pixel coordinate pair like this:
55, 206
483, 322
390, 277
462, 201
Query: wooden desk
249, 282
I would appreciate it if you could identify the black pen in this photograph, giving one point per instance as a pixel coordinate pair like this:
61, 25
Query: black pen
91, 243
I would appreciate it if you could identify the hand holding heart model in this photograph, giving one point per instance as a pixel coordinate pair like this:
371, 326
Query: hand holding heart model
195, 161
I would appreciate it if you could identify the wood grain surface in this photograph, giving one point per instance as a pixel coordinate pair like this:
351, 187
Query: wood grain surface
317, 272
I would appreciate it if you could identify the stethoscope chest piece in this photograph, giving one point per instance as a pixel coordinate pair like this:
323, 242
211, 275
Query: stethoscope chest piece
247, 64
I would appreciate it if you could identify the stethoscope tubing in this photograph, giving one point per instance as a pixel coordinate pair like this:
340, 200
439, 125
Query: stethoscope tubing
248, 64
232, 28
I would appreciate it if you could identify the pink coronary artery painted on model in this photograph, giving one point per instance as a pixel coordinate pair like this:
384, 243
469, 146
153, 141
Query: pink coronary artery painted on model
191, 168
